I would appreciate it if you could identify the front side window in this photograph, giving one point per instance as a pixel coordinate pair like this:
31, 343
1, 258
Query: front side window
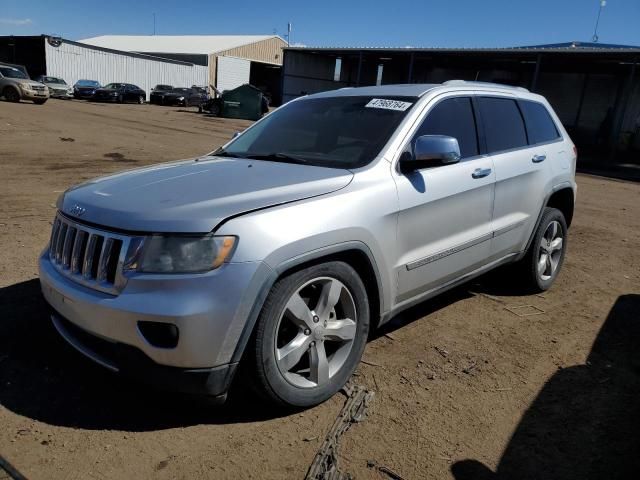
503, 124
540, 126
453, 117
339, 132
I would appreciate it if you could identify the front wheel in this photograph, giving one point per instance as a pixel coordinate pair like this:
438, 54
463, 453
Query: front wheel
11, 95
141, 99
541, 265
310, 334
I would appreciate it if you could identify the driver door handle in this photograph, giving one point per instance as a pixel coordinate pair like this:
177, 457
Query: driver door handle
538, 158
481, 172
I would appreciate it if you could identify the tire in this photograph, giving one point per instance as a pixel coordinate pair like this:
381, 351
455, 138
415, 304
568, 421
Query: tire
302, 360
140, 100
540, 266
40, 102
120, 99
11, 95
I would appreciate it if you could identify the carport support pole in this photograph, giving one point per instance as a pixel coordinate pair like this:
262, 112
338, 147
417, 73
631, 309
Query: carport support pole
410, 75
619, 119
536, 72
359, 69
583, 90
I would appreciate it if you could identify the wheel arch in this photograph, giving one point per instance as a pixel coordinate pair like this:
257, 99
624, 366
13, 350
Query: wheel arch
11, 87
563, 199
355, 253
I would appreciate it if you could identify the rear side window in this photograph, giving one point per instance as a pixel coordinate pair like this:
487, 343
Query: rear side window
540, 126
503, 124
453, 117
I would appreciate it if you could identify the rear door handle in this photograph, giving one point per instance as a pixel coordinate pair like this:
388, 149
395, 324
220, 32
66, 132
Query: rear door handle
481, 172
538, 158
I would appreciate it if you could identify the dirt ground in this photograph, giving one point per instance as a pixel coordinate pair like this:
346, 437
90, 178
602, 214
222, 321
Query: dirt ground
465, 389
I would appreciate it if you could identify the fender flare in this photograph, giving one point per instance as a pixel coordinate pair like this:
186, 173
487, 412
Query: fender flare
293, 262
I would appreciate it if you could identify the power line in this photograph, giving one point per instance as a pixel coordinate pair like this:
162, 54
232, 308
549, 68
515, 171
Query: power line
603, 3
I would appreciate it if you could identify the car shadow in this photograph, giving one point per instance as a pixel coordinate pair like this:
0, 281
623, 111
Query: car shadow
43, 378
585, 422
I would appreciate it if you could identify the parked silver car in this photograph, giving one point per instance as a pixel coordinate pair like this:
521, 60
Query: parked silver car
58, 88
282, 249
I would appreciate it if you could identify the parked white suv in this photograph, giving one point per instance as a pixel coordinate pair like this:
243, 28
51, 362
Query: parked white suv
323, 220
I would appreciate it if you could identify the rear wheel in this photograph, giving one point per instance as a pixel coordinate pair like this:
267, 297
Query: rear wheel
141, 99
215, 110
11, 94
542, 263
310, 334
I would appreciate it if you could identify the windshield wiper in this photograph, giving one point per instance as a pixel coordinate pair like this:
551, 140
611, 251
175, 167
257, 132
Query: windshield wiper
278, 157
223, 153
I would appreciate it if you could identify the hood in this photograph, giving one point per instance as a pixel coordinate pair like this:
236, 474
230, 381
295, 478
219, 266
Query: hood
87, 88
26, 81
195, 195
108, 90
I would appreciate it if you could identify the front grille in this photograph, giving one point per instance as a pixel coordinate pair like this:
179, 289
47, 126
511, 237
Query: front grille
87, 255
39, 88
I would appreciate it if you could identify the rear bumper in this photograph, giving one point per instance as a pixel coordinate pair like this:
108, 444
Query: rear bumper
133, 363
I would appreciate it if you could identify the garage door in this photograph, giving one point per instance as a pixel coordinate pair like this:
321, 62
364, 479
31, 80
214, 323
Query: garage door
232, 72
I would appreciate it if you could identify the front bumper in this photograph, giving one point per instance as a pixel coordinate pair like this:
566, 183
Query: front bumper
210, 311
54, 94
33, 94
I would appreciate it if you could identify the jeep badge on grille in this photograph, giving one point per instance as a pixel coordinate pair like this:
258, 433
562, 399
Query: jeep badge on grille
76, 210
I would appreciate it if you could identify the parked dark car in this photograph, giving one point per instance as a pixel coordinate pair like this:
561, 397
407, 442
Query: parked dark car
85, 89
185, 97
158, 92
121, 93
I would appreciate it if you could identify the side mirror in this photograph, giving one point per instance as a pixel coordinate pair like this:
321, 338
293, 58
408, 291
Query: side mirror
432, 151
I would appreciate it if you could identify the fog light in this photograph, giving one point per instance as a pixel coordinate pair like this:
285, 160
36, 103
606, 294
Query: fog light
161, 335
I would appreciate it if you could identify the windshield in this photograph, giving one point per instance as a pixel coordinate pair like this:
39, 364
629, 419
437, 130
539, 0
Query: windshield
114, 86
53, 80
342, 132
10, 72
180, 90
87, 83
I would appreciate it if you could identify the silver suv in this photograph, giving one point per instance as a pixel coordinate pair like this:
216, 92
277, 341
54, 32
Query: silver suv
281, 250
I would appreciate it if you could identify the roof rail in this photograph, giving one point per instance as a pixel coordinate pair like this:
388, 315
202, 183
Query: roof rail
487, 84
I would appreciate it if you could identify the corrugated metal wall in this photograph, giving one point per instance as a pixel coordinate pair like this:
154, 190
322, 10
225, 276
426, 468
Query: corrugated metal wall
73, 62
265, 51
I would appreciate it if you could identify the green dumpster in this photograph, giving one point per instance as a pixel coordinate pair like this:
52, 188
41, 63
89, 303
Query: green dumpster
246, 102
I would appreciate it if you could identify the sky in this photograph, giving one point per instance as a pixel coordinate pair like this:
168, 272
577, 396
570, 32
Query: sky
348, 23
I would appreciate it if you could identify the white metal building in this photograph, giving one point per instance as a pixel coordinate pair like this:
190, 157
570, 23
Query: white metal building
232, 60
72, 61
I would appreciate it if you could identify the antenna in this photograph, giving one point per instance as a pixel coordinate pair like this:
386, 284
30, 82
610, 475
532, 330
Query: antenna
603, 3
154, 23
288, 34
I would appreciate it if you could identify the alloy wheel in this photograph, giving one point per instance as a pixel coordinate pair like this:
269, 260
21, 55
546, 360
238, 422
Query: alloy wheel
550, 253
315, 332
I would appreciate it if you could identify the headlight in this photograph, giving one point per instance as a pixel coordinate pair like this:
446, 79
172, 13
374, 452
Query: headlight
179, 254
181, 98
26, 86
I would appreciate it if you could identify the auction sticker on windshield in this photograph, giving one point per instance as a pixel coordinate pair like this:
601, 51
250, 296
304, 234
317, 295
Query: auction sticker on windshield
388, 104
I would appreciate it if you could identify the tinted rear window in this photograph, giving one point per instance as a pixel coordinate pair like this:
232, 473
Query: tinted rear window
540, 126
453, 117
503, 124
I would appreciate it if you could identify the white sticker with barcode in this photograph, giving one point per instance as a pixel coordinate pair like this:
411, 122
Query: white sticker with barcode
388, 104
